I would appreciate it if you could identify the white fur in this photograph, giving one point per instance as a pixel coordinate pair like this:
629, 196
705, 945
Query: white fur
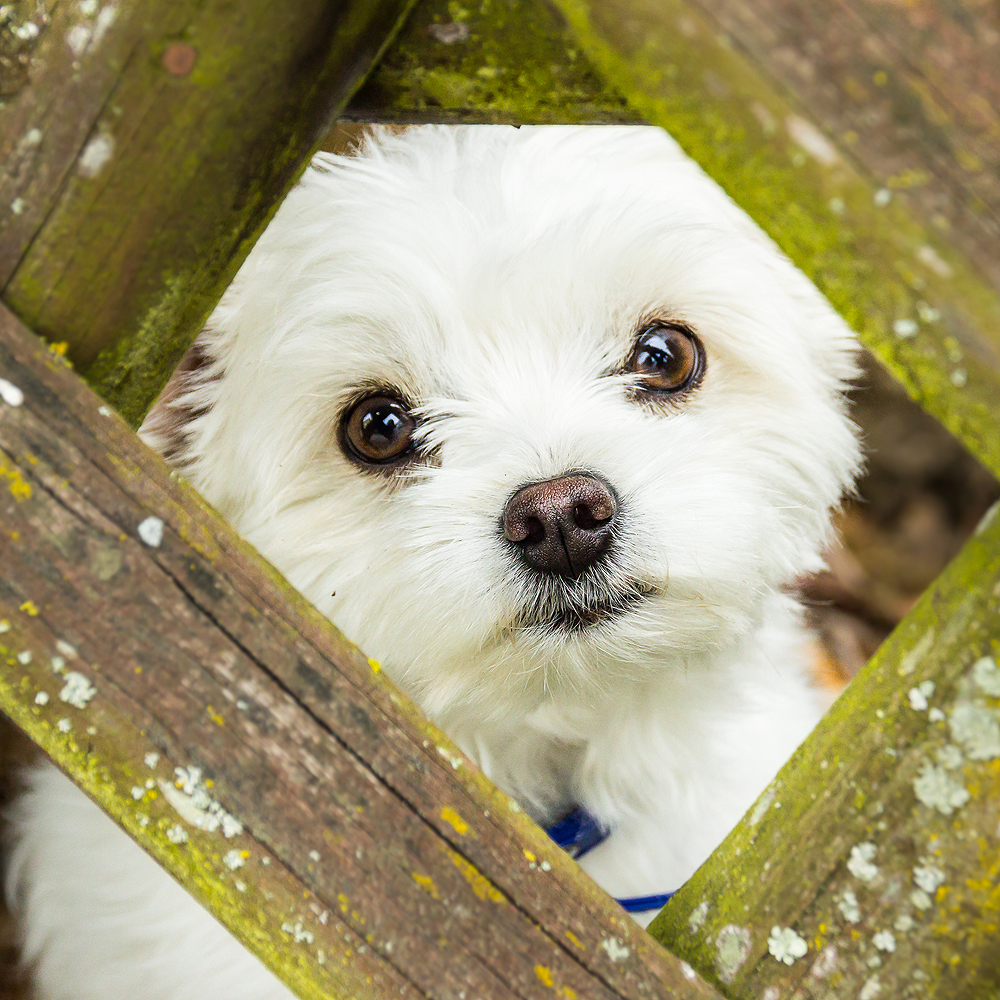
498, 278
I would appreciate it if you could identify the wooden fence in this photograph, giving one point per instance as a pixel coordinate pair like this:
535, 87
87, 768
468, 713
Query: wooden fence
144, 147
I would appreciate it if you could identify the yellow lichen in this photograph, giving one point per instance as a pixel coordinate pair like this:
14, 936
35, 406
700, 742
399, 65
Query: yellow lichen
544, 975
481, 885
426, 883
450, 816
20, 489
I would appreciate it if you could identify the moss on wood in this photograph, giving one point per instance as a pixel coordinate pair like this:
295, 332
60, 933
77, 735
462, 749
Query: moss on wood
254, 751
877, 847
146, 155
915, 300
490, 60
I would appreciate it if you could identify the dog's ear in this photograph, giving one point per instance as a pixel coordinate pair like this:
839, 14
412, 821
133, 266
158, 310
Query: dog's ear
166, 428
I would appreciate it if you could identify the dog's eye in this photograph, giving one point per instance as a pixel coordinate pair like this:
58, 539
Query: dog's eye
667, 359
378, 430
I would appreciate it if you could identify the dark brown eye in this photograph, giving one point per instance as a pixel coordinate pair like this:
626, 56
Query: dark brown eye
378, 430
667, 359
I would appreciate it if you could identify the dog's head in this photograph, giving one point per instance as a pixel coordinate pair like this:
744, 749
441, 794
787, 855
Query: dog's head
522, 409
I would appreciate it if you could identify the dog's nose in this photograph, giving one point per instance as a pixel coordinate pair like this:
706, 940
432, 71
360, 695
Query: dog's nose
563, 525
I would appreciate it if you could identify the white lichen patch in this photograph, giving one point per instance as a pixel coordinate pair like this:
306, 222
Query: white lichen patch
151, 760
949, 756
928, 876
912, 659
456, 763
138, 792
885, 941
847, 903
986, 676
936, 789
763, 804
78, 38
95, 155
906, 328
42, 698
904, 922
825, 964
687, 972
151, 531
921, 900
918, 696
785, 945
9, 392
299, 933
194, 805
936, 715
24, 657
4, 626
233, 859
806, 135
64, 725
860, 863
871, 989
977, 729
177, 834
698, 916
77, 691
616, 951
314, 855
65, 649
732, 947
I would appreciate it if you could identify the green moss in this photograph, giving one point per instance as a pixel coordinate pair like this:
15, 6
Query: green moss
503, 61
851, 782
727, 115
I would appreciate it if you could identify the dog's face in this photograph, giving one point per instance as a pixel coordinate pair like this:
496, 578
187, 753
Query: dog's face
524, 410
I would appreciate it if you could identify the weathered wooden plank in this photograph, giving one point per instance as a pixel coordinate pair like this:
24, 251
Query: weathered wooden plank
395, 867
878, 844
499, 60
912, 287
910, 90
143, 150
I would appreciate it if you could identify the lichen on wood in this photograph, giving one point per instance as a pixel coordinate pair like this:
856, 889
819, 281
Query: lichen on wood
878, 845
492, 60
914, 296
922, 308
255, 752
145, 154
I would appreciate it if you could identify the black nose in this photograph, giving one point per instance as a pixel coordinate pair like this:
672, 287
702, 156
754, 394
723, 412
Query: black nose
563, 525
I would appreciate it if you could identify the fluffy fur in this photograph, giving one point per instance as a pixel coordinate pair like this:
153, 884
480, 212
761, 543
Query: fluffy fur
496, 279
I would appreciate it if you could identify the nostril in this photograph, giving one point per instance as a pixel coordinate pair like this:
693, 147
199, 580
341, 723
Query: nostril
535, 530
592, 515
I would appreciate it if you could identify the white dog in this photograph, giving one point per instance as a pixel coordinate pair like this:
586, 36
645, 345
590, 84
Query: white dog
547, 426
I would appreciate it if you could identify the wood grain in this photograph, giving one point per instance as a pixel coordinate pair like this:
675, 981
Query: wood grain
393, 867
144, 151
860, 136
878, 844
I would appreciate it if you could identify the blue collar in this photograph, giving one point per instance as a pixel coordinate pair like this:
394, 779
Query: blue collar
580, 832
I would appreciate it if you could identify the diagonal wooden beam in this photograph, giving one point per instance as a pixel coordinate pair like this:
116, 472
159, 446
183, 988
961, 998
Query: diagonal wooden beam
354, 848
143, 147
878, 844
871, 174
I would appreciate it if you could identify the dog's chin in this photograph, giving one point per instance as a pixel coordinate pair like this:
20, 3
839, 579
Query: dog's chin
570, 617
